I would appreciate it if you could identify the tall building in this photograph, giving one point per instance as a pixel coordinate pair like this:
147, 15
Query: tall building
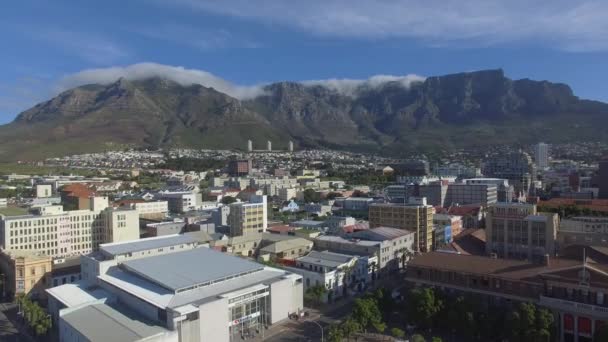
58, 233
180, 294
249, 146
250, 217
269, 145
516, 167
290, 147
603, 179
415, 216
237, 168
517, 230
541, 155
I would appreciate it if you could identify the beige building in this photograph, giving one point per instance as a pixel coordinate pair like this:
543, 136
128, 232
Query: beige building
517, 230
415, 216
44, 190
248, 218
58, 233
587, 231
25, 272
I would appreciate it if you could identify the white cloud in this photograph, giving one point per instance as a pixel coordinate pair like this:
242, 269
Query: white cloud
186, 77
142, 71
92, 47
351, 87
578, 25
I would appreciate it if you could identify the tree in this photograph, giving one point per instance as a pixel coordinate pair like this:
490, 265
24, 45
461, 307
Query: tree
335, 334
37, 319
314, 294
418, 338
436, 339
366, 313
350, 327
228, 200
423, 306
397, 333
310, 195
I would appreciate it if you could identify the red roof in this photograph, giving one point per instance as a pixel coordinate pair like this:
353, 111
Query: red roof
280, 229
592, 204
464, 210
77, 190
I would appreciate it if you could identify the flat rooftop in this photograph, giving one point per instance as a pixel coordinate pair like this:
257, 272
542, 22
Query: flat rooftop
325, 258
103, 322
76, 294
189, 269
145, 244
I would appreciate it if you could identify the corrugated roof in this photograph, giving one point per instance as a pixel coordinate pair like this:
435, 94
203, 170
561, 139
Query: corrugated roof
190, 268
103, 322
145, 244
325, 258
381, 233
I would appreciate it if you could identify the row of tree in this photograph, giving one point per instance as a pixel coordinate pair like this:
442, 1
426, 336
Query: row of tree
34, 315
366, 315
466, 316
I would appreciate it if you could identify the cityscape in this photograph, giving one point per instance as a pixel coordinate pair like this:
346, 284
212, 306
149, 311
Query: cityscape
317, 192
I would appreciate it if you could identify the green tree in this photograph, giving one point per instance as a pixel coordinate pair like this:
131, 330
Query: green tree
335, 334
418, 338
397, 333
310, 195
436, 339
314, 294
350, 327
423, 306
366, 313
228, 200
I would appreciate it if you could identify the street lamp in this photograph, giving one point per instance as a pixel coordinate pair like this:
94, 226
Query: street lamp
320, 327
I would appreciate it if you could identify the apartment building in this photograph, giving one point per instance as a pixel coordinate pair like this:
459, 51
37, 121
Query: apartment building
250, 217
414, 216
148, 209
58, 233
25, 272
463, 194
517, 230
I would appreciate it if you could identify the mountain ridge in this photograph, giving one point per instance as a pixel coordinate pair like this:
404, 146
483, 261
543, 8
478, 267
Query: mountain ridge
441, 112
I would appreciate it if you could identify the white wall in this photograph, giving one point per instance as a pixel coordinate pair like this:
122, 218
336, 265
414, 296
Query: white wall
214, 321
286, 296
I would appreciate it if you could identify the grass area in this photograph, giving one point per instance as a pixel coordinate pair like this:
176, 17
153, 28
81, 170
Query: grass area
13, 211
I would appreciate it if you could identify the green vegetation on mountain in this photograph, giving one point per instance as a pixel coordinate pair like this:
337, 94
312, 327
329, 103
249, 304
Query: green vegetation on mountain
439, 114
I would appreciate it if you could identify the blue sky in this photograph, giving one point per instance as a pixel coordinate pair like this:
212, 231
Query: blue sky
48, 46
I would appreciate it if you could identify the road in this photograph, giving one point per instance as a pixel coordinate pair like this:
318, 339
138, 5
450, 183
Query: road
8, 332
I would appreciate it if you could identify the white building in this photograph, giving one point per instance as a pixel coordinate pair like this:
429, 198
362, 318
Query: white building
59, 233
151, 209
166, 298
44, 190
287, 194
250, 217
541, 155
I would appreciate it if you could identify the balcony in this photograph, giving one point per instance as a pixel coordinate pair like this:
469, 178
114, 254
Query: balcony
595, 311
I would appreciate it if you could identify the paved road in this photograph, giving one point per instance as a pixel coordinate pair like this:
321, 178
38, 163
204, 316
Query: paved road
8, 332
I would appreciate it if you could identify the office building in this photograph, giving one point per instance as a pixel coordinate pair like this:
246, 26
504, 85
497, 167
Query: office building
464, 194
249, 146
516, 167
269, 146
517, 230
221, 298
290, 147
238, 168
250, 217
453, 221
541, 155
148, 209
44, 190
58, 233
414, 216
24, 272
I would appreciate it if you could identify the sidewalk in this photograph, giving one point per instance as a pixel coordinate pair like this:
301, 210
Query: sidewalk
10, 329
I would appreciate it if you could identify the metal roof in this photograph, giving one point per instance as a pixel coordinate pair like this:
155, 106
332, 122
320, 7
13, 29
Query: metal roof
190, 269
103, 322
146, 244
327, 259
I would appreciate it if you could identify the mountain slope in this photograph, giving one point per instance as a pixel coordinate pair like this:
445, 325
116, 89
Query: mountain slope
465, 109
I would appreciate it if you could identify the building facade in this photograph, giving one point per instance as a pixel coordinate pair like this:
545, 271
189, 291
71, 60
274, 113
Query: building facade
415, 216
248, 218
25, 272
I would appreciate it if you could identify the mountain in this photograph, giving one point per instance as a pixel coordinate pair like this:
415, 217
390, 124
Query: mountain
442, 112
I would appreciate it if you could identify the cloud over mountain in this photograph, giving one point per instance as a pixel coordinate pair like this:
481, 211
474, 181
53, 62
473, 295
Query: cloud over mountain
185, 77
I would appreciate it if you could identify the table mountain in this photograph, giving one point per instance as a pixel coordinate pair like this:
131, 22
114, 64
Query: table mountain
458, 110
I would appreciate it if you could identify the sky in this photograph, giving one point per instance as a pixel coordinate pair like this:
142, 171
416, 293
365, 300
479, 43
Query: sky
237, 45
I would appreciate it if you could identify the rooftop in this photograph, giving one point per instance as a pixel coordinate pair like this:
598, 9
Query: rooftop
325, 258
119, 248
381, 233
192, 268
75, 294
103, 322
283, 245
31, 255
339, 239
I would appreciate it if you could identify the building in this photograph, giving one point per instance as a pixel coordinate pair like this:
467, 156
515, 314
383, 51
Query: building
464, 194
287, 194
238, 168
415, 216
64, 271
444, 220
44, 190
25, 272
76, 196
290, 146
58, 233
573, 290
283, 249
586, 231
248, 218
335, 224
249, 146
516, 230
357, 203
390, 246
504, 191
180, 201
541, 155
318, 209
224, 298
269, 146
602, 176
516, 167
147, 209
334, 271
